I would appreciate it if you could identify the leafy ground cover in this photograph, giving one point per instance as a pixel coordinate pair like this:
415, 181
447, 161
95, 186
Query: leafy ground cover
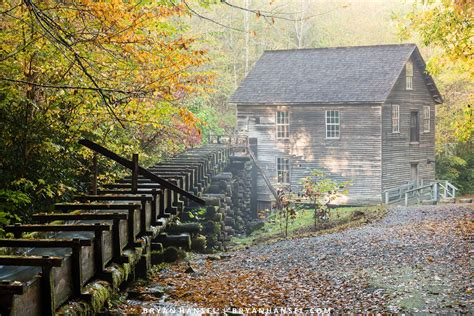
416, 259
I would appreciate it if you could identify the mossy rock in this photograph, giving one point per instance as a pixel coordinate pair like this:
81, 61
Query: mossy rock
156, 257
211, 240
217, 217
211, 227
182, 254
178, 228
199, 243
255, 225
100, 292
170, 254
229, 221
211, 211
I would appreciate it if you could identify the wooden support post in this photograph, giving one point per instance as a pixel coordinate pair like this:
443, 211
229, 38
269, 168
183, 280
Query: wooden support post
134, 173
131, 226
98, 254
95, 174
116, 246
154, 205
47, 291
435, 191
77, 267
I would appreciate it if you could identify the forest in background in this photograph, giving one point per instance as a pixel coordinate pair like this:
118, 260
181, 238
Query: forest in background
153, 77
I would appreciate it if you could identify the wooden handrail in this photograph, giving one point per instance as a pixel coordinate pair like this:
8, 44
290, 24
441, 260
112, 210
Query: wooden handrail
142, 171
419, 188
264, 176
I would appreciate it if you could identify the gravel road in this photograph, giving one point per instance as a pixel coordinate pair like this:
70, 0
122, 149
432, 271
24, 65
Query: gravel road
416, 259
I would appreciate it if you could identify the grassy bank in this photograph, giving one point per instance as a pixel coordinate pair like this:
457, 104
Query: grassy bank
303, 226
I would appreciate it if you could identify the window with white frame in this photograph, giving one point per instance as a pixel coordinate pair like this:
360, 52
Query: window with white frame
426, 118
409, 75
283, 170
395, 118
282, 125
332, 124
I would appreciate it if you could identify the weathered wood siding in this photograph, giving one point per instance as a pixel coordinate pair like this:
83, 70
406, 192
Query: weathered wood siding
397, 152
356, 156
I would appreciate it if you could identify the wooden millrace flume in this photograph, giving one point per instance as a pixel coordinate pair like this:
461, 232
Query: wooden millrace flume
87, 248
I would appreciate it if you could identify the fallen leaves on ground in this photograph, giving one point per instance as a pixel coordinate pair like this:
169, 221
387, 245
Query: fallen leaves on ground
414, 260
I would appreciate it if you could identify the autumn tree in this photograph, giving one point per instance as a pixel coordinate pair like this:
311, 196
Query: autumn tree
114, 71
446, 27
287, 210
321, 191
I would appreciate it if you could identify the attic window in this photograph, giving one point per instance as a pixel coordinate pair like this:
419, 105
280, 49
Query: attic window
409, 75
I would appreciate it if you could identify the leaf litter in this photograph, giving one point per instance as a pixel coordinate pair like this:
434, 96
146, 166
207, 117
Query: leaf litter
417, 259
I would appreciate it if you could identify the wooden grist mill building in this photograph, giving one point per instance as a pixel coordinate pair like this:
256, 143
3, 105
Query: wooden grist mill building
364, 114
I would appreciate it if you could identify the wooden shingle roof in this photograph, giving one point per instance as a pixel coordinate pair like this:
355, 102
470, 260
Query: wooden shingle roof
356, 74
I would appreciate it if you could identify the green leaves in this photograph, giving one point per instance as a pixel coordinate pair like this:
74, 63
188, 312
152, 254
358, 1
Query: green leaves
446, 24
321, 191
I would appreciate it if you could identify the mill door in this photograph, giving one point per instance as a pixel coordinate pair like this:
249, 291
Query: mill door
414, 127
414, 174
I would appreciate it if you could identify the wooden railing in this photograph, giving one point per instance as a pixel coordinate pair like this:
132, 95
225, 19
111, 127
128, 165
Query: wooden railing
396, 195
446, 189
428, 189
137, 170
421, 193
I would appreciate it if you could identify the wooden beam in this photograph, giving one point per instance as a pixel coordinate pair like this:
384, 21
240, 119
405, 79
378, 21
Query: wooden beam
18, 229
114, 197
77, 217
32, 261
44, 243
95, 206
12, 287
134, 173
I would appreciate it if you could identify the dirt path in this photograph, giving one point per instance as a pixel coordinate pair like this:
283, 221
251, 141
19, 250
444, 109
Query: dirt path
414, 260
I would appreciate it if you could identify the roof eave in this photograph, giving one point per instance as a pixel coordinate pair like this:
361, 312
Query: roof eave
249, 103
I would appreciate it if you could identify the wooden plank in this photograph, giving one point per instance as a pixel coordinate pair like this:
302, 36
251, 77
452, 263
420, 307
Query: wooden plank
114, 197
12, 288
95, 206
44, 243
32, 261
18, 229
84, 216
